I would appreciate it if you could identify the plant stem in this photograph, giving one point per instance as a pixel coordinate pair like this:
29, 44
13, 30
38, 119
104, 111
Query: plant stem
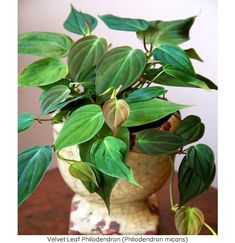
40, 120
145, 47
171, 183
68, 161
209, 228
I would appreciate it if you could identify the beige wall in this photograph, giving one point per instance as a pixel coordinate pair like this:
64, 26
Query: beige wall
49, 15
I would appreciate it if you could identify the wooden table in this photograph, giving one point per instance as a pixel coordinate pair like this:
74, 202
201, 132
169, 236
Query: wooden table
46, 211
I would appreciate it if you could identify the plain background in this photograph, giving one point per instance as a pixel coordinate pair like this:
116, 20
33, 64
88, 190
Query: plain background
35, 15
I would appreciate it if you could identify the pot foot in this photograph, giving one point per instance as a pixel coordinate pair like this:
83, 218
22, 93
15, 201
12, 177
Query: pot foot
128, 218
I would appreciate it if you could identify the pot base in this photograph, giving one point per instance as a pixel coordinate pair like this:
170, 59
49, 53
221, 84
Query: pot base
132, 218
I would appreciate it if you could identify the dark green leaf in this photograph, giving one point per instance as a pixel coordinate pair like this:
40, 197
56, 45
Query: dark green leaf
196, 172
70, 101
81, 126
32, 165
145, 94
158, 142
25, 120
119, 66
53, 97
44, 44
191, 129
189, 221
84, 55
193, 54
208, 82
186, 77
79, 22
175, 56
167, 32
115, 113
43, 72
126, 24
177, 78
149, 111
108, 155
106, 183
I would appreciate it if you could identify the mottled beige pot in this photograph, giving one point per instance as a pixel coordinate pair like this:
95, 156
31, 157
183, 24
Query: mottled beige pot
133, 211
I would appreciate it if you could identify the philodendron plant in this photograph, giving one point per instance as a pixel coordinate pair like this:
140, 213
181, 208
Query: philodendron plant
102, 94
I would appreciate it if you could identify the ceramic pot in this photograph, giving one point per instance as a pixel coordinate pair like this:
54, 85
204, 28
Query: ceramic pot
134, 210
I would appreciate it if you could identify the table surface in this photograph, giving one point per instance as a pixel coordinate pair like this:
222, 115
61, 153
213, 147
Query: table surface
46, 211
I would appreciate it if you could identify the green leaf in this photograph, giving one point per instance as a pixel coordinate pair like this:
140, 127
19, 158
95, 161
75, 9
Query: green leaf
167, 32
177, 78
193, 54
106, 183
191, 129
186, 77
149, 111
145, 94
63, 81
32, 165
44, 44
82, 171
207, 81
107, 155
106, 186
158, 142
189, 221
53, 97
70, 101
119, 66
25, 120
79, 23
43, 72
84, 55
85, 148
81, 126
115, 113
126, 24
175, 56
60, 117
196, 172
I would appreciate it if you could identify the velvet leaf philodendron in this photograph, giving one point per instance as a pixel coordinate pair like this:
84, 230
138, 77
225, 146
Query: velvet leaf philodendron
109, 100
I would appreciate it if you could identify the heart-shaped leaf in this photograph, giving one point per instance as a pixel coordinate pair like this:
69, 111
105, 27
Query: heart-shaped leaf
106, 183
126, 24
190, 129
193, 54
115, 113
145, 94
81, 126
108, 155
43, 72
84, 55
32, 165
44, 44
120, 66
85, 148
158, 142
25, 120
167, 32
189, 221
53, 97
175, 56
196, 172
79, 23
150, 110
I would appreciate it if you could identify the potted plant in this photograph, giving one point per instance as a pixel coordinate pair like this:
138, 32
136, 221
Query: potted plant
116, 132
